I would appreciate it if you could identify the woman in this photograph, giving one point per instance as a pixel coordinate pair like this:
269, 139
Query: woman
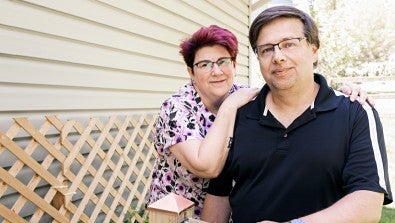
189, 154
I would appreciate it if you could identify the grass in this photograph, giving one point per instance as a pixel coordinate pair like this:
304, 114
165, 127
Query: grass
387, 215
388, 121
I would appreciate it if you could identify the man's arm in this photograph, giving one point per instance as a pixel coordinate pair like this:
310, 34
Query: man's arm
359, 207
216, 209
365, 160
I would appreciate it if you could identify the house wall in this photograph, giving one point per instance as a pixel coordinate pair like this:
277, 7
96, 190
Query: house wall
79, 59
82, 58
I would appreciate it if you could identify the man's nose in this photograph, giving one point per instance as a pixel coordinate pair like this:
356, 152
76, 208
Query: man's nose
278, 55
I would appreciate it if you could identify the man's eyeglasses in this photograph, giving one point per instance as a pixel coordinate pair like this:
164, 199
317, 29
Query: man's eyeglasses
208, 65
285, 46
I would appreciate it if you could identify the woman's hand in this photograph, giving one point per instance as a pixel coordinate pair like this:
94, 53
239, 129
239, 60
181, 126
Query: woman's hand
241, 97
356, 93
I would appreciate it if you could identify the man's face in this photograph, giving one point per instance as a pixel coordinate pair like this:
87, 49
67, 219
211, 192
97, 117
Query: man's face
292, 66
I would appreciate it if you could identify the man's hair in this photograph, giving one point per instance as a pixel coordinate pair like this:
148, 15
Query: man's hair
268, 15
208, 36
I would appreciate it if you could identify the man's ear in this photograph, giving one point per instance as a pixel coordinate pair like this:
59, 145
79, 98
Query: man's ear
314, 50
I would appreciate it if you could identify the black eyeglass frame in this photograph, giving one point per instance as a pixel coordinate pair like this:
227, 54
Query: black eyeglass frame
277, 44
213, 62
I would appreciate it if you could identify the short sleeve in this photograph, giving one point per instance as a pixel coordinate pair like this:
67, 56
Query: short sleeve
176, 123
222, 185
366, 167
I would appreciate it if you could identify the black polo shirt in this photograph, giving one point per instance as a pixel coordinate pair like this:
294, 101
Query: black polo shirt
284, 173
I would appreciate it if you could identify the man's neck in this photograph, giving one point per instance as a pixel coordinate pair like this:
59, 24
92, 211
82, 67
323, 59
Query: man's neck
286, 106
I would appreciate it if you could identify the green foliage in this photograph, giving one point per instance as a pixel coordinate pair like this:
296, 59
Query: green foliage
132, 212
387, 215
357, 36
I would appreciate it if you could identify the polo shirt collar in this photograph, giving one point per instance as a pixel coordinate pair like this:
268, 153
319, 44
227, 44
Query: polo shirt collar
325, 100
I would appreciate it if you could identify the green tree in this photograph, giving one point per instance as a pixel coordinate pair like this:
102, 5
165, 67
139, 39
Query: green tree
355, 35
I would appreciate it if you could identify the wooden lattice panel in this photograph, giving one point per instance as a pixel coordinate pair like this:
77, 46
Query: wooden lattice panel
68, 172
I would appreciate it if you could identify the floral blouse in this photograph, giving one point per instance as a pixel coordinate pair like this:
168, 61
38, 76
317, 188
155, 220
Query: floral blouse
182, 117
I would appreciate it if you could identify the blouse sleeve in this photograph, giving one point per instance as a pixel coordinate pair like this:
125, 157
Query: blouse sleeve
177, 122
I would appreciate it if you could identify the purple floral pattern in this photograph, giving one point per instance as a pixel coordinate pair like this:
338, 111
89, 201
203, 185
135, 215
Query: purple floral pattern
182, 117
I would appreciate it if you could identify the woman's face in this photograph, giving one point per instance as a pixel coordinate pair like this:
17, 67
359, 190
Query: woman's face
212, 84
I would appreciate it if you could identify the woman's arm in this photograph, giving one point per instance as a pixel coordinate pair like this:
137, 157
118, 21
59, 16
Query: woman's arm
356, 93
206, 158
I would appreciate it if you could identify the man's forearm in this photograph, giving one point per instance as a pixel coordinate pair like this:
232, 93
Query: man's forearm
216, 209
359, 207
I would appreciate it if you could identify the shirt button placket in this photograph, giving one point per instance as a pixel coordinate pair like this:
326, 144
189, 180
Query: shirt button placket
284, 142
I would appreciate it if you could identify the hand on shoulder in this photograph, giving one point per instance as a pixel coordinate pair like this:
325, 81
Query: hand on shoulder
241, 97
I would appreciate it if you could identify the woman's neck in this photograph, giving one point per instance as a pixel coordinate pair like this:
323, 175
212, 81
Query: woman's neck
213, 104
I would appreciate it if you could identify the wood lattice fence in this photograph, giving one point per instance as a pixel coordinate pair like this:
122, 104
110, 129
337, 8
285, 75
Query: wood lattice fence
67, 172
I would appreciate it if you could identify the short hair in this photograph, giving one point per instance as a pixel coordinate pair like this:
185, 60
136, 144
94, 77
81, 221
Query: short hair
270, 14
208, 36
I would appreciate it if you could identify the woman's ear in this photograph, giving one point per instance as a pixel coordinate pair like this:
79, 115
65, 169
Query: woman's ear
190, 72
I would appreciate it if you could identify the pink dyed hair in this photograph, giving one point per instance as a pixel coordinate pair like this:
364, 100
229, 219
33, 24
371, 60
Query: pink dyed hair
208, 36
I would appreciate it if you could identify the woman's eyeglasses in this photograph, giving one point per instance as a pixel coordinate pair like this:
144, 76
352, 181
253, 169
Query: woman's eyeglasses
208, 65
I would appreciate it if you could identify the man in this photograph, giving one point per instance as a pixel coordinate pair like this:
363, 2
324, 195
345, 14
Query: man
302, 152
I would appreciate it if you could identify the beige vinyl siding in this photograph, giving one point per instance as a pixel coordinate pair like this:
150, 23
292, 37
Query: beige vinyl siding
75, 55
79, 59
